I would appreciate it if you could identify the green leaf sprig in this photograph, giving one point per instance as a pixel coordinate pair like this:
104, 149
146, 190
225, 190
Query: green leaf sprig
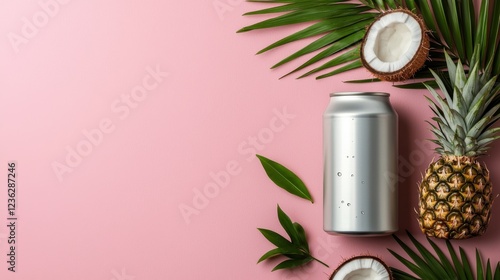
425, 265
284, 178
296, 250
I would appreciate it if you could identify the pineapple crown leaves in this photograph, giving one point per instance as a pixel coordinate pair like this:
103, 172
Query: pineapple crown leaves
468, 107
296, 250
427, 265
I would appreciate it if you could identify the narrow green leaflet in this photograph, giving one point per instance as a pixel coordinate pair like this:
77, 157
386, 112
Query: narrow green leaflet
284, 178
466, 265
275, 238
479, 266
489, 275
497, 272
426, 265
287, 224
340, 35
292, 263
347, 56
319, 28
401, 275
301, 234
455, 25
292, 251
482, 30
295, 250
468, 19
353, 65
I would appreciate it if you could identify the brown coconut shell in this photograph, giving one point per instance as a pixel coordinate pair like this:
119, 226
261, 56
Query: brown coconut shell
362, 257
413, 65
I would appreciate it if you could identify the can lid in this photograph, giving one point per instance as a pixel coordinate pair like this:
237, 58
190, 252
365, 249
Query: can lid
359, 94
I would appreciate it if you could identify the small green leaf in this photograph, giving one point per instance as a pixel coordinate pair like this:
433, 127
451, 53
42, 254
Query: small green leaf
292, 263
275, 238
301, 234
287, 224
285, 178
280, 251
296, 251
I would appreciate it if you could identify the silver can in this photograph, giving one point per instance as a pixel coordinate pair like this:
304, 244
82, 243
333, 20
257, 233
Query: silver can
360, 165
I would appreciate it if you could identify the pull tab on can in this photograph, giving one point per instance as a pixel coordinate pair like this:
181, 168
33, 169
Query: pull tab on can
360, 184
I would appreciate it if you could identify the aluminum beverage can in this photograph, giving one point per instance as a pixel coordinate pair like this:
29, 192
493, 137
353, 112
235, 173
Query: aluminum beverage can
360, 145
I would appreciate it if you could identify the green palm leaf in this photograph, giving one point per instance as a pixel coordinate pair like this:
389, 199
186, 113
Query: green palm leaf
348, 56
338, 25
426, 265
341, 35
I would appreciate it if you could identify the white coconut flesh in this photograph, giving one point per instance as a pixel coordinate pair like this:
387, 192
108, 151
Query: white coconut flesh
365, 268
392, 41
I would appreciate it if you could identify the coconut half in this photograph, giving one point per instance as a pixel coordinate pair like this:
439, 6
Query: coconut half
395, 45
362, 268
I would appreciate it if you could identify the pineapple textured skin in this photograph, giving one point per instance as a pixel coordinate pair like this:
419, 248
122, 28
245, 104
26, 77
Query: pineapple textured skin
455, 198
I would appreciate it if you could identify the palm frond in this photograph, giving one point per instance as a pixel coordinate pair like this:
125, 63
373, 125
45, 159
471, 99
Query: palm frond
338, 25
425, 264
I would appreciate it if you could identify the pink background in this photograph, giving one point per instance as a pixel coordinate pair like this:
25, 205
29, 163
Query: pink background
115, 213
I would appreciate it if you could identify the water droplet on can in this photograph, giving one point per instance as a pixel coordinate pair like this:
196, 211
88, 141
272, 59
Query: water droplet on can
342, 201
352, 156
362, 212
339, 174
348, 204
352, 175
362, 182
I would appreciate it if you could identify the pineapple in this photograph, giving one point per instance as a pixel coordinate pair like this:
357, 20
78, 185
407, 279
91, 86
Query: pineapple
456, 192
